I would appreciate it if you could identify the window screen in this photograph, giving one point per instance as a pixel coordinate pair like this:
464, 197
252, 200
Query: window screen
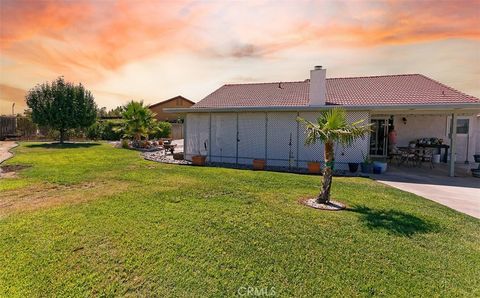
462, 126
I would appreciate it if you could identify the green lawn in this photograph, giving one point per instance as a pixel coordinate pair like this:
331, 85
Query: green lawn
98, 221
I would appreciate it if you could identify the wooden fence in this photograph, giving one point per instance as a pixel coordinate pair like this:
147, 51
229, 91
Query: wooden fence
177, 131
8, 126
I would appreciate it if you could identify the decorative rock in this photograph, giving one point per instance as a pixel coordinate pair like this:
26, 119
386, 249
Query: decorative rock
330, 206
160, 156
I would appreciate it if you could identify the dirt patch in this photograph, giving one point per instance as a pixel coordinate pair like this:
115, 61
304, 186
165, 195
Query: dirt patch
10, 171
39, 196
12, 168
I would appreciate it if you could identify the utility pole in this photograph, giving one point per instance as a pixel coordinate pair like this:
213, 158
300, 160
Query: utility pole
13, 109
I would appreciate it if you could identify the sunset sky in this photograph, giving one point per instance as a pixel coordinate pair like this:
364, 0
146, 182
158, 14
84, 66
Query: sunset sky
154, 50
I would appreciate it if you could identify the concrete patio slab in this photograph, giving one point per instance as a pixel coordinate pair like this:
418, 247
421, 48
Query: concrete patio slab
461, 193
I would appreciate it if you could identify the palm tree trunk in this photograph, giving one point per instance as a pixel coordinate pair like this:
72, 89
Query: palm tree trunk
324, 196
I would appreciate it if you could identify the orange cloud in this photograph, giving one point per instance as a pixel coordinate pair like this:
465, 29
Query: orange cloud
111, 44
97, 39
410, 22
22, 20
393, 23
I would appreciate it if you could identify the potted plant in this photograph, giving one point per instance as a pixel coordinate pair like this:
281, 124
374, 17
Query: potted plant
178, 156
259, 164
199, 160
353, 167
367, 164
314, 167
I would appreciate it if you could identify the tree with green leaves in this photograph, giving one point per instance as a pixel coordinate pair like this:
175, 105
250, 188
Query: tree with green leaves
139, 121
62, 106
332, 127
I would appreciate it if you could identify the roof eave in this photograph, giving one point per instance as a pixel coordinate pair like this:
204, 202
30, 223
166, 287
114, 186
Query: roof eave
435, 107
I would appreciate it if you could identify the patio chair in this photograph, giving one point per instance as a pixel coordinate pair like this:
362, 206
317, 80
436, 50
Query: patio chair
426, 156
395, 158
408, 157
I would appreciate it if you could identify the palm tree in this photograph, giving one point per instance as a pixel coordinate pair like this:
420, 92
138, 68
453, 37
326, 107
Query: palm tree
332, 127
139, 120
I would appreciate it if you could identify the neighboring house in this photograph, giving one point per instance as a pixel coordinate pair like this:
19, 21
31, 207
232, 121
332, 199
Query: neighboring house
175, 102
241, 122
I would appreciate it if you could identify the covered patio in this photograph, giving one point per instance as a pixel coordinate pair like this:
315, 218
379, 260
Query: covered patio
445, 130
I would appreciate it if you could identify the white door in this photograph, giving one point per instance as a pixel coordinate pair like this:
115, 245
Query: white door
464, 141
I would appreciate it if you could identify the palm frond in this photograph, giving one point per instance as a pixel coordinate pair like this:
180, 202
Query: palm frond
332, 126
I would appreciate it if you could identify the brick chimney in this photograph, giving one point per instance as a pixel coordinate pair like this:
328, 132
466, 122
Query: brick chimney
318, 89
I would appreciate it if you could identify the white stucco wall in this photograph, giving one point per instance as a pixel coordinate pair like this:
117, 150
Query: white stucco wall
251, 136
477, 135
427, 126
223, 137
196, 134
274, 136
419, 126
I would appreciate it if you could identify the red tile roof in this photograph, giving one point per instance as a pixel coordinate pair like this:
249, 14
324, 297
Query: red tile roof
355, 91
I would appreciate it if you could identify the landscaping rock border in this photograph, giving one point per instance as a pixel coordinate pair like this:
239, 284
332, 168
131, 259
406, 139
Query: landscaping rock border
331, 206
159, 156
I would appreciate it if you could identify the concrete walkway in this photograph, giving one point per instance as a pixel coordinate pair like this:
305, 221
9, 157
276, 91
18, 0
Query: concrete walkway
459, 193
5, 146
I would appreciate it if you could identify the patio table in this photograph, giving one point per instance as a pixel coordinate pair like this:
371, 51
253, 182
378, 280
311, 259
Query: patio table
438, 146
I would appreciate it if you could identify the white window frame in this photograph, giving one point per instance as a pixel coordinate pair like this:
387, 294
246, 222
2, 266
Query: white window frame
449, 120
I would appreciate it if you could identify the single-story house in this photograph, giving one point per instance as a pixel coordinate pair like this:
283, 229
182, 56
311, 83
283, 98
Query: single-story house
174, 102
241, 122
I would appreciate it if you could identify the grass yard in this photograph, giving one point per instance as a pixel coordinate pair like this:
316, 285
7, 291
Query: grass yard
91, 220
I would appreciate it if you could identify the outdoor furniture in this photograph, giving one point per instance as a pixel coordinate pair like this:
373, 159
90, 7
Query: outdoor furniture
395, 157
426, 155
413, 156
439, 147
407, 156
169, 147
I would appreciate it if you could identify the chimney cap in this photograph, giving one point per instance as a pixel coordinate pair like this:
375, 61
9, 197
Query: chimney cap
317, 67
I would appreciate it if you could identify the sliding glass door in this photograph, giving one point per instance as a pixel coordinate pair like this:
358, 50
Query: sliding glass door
379, 137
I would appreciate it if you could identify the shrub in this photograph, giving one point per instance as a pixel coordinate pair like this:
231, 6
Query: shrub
94, 132
112, 130
26, 127
105, 130
163, 130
